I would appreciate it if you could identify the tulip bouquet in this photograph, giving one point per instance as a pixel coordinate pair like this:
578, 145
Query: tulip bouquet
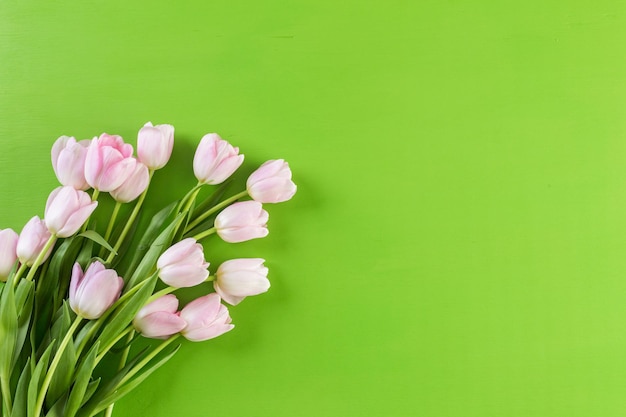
74, 298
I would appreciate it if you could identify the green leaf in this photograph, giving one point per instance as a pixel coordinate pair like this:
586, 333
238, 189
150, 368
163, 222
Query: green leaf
91, 389
8, 330
37, 378
24, 299
64, 374
83, 376
57, 409
211, 201
21, 392
95, 236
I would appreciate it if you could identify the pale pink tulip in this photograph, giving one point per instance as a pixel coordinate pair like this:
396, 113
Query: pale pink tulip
109, 162
8, 254
158, 319
206, 318
154, 145
68, 161
271, 182
67, 209
242, 221
94, 291
133, 186
32, 240
215, 160
239, 278
183, 264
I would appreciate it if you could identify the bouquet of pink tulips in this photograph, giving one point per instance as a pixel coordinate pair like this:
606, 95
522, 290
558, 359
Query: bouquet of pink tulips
74, 298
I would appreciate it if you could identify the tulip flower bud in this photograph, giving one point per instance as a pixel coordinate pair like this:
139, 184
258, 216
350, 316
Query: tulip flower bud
215, 160
109, 162
239, 278
154, 145
67, 209
133, 186
242, 221
271, 182
206, 318
158, 319
93, 292
68, 161
32, 240
183, 264
8, 254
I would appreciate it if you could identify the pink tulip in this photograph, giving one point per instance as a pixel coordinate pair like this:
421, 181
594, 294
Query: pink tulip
67, 209
215, 160
133, 186
109, 162
158, 319
242, 221
239, 278
271, 182
154, 145
8, 254
206, 318
32, 240
68, 161
183, 264
92, 293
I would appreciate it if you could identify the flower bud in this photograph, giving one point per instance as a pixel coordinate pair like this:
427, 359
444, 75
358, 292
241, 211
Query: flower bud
206, 318
133, 186
242, 221
8, 255
68, 161
93, 292
271, 182
239, 278
109, 162
158, 319
67, 209
32, 240
183, 264
215, 160
154, 145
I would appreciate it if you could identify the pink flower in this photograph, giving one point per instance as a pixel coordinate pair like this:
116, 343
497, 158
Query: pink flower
92, 293
133, 186
8, 254
158, 319
215, 160
32, 240
183, 264
109, 162
271, 182
154, 145
206, 318
239, 278
67, 209
242, 221
68, 161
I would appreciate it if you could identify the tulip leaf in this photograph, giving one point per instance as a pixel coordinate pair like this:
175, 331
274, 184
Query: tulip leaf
95, 236
57, 409
63, 376
37, 379
83, 376
8, 332
24, 298
21, 391
212, 200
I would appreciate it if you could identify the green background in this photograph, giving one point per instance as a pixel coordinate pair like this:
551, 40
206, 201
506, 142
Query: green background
456, 246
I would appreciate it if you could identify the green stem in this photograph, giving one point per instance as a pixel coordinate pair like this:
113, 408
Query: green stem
94, 197
161, 293
204, 234
19, 273
188, 198
40, 257
54, 364
214, 209
123, 359
108, 347
147, 359
116, 211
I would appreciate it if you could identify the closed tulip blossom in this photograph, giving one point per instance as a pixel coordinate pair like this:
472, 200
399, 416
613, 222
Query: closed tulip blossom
8, 254
94, 291
183, 264
242, 221
154, 145
32, 240
271, 182
109, 162
215, 160
67, 209
133, 186
159, 319
68, 161
206, 318
239, 278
